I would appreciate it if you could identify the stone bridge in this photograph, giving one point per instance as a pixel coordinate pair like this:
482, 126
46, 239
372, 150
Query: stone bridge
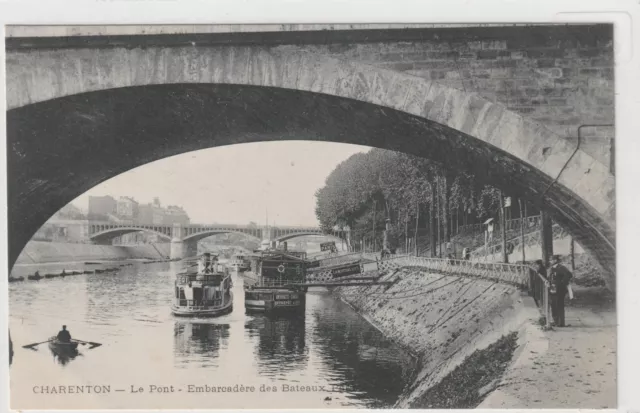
184, 238
503, 103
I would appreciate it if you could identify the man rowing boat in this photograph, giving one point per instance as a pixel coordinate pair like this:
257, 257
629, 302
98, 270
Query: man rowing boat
64, 336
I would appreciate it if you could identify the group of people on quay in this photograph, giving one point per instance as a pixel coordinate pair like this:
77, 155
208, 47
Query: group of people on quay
559, 278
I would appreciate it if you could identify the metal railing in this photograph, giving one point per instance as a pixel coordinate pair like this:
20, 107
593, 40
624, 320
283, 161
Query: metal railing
514, 274
212, 278
200, 304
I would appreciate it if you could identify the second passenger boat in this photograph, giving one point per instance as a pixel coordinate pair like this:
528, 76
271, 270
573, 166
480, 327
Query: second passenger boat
275, 282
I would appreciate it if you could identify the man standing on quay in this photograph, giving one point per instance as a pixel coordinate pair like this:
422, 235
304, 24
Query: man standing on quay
559, 277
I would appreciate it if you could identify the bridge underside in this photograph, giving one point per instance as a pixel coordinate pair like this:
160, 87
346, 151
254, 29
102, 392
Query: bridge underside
152, 122
108, 236
288, 237
194, 238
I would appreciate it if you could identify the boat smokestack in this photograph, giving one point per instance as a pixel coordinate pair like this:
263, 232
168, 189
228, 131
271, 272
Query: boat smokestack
284, 245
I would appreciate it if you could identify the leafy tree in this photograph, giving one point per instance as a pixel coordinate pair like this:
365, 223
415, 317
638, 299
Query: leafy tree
368, 188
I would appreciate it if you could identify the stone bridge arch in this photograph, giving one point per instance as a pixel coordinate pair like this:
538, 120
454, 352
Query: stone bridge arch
506, 148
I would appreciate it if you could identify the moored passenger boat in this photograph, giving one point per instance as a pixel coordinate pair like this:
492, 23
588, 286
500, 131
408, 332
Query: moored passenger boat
275, 283
205, 292
239, 263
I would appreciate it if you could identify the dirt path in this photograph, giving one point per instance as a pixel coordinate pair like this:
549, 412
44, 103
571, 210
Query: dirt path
571, 367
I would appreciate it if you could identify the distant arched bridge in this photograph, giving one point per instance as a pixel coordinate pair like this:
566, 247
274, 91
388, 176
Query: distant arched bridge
184, 238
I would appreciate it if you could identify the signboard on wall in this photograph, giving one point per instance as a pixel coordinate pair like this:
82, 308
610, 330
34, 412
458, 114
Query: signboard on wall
347, 270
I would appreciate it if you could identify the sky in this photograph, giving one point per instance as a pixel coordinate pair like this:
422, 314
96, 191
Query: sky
235, 184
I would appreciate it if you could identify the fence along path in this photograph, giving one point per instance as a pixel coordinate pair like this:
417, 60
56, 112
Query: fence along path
520, 275
513, 274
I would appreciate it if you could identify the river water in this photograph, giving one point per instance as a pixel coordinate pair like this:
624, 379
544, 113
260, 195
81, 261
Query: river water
330, 348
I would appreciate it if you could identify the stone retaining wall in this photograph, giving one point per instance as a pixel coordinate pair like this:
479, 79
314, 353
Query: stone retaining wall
39, 252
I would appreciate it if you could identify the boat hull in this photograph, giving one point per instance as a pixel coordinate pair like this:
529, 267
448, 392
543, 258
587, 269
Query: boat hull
209, 312
64, 350
270, 301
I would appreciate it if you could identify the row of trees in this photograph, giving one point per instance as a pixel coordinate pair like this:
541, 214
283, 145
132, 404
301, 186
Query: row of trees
415, 195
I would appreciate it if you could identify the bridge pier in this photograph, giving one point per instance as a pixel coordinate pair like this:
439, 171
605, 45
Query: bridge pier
179, 248
183, 249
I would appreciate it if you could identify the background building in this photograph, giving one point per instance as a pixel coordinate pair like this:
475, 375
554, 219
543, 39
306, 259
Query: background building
67, 225
126, 210
101, 207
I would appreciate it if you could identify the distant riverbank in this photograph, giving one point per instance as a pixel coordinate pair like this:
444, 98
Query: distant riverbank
40, 252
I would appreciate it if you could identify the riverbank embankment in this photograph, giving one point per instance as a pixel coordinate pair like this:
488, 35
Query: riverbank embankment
40, 252
481, 344
455, 326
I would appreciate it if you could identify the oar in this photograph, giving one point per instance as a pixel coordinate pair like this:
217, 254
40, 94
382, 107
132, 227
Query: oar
93, 345
31, 346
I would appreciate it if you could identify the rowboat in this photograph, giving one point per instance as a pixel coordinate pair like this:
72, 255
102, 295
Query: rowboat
62, 349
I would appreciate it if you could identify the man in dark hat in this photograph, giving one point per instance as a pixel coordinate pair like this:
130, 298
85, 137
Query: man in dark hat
559, 277
64, 336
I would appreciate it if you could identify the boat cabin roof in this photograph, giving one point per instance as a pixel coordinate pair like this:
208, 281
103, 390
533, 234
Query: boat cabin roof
281, 257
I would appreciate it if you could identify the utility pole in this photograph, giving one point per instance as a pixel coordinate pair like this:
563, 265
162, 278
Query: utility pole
415, 236
432, 221
446, 214
503, 225
438, 210
522, 222
406, 231
374, 225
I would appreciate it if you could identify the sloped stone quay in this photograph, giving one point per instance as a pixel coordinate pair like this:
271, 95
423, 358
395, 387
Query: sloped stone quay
470, 337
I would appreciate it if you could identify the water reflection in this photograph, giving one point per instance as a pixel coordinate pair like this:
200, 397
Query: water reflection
327, 344
199, 340
364, 360
280, 342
